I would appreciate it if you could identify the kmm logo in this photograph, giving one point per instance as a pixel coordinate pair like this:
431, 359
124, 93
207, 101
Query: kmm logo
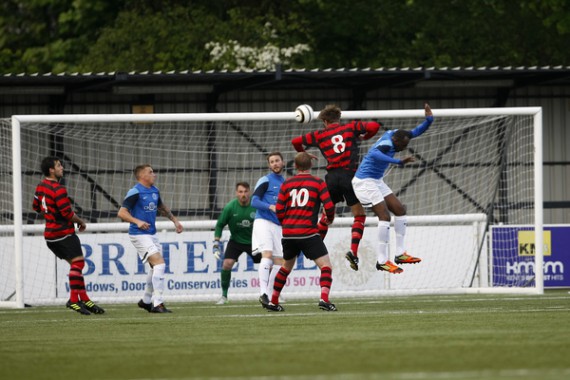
527, 246
527, 267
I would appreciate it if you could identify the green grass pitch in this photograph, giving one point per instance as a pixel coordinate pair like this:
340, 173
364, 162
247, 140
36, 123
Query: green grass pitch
420, 337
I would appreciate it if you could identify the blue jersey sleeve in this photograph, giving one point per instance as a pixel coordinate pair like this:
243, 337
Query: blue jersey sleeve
378, 155
422, 127
257, 198
131, 199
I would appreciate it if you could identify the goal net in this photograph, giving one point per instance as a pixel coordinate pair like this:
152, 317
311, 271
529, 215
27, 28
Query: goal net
471, 194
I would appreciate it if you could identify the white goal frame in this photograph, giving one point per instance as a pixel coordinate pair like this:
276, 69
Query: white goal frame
19, 228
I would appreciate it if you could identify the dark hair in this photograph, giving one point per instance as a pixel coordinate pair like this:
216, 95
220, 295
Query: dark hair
274, 154
139, 169
48, 163
330, 113
303, 161
401, 134
243, 184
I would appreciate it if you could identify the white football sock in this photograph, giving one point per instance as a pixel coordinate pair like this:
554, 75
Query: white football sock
383, 248
400, 223
158, 283
264, 270
148, 289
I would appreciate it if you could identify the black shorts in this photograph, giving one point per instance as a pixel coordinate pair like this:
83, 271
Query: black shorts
339, 183
312, 247
235, 249
67, 248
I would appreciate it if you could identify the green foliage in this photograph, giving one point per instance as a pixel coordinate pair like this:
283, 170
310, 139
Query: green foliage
50, 35
144, 39
126, 35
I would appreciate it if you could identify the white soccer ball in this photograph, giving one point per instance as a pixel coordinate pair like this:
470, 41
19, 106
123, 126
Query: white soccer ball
304, 114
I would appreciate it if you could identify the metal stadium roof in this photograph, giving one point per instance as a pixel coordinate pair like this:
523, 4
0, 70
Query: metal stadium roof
364, 78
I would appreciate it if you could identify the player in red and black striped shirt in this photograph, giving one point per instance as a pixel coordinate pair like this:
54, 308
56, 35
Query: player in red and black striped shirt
297, 208
339, 145
51, 200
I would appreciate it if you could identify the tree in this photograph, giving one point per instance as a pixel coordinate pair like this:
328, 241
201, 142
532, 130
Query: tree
127, 35
50, 35
241, 34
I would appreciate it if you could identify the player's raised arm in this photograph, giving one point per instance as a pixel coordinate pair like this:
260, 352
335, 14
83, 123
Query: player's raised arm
417, 131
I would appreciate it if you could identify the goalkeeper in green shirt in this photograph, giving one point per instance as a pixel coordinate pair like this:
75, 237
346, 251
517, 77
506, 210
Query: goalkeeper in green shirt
238, 215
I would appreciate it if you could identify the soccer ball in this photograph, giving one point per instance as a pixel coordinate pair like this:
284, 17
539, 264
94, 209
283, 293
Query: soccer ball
304, 114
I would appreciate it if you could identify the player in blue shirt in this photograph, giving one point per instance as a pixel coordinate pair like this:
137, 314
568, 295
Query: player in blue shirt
140, 208
267, 234
372, 192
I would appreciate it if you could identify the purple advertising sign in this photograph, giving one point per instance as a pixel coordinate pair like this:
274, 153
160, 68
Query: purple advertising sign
513, 252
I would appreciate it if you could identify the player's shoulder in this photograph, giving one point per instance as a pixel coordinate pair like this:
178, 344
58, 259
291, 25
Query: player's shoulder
263, 179
232, 204
135, 190
386, 138
45, 183
318, 180
56, 186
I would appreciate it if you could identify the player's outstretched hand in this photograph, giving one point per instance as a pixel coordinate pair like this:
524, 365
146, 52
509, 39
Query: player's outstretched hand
427, 109
408, 159
217, 250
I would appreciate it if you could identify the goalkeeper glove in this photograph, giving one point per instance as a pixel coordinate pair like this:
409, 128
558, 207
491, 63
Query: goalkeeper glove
217, 249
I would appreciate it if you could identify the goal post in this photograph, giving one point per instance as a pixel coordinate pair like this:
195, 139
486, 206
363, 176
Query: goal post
475, 169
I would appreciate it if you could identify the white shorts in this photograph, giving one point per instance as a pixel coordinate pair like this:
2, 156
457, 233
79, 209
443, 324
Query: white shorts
267, 237
370, 192
146, 245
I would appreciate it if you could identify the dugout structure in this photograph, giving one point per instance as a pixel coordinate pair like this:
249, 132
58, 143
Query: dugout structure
474, 168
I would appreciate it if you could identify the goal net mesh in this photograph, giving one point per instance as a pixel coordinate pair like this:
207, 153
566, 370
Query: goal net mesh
464, 166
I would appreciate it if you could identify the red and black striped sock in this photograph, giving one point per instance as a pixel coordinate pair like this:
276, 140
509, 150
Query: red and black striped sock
357, 231
280, 280
326, 282
76, 282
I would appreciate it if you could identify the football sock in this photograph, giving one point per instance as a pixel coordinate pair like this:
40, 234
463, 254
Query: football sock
76, 282
357, 231
383, 247
278, 284
323, 227
158, 283
272, 274
264, 270
148, 290
226, 276
326, 282
400, 223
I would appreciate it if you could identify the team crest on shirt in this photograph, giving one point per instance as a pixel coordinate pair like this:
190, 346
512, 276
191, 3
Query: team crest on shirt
154, 196
246, 223
150, 207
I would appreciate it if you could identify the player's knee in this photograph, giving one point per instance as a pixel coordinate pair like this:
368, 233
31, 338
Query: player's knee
384, 216
228, 264
79, 264
400, 210
360, 219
